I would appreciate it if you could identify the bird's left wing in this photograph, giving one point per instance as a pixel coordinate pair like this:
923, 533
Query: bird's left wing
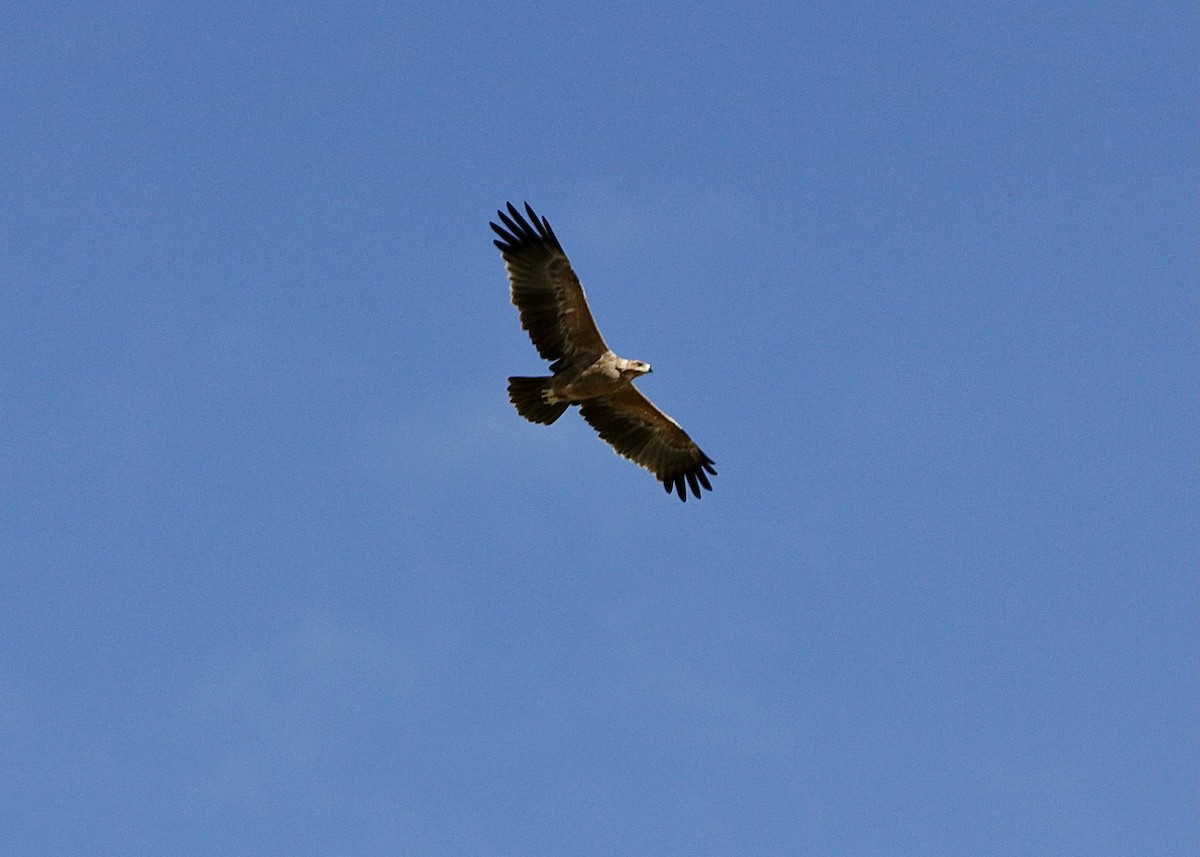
639, 431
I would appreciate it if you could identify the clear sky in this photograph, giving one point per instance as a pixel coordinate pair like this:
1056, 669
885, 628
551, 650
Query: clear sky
283, 573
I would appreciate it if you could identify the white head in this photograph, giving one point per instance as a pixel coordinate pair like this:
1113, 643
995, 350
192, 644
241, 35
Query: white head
634, 367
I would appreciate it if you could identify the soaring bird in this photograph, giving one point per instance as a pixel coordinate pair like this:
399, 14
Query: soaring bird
585, 370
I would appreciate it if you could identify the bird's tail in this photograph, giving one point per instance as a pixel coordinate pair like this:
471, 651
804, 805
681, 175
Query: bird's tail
534, 399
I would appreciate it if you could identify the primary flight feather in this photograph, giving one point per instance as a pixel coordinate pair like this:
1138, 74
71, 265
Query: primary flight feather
586, 372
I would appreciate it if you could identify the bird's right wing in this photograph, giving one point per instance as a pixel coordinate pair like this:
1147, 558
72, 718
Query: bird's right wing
546, 291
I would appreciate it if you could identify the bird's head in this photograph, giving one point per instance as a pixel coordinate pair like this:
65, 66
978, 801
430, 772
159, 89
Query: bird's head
633, 368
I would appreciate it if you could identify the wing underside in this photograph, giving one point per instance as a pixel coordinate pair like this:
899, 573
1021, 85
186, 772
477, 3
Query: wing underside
546, 291
636, 429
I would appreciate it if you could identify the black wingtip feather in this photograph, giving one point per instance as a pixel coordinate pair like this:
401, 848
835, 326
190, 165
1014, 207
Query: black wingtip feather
516, 230
534, 230
696, 479
527, 232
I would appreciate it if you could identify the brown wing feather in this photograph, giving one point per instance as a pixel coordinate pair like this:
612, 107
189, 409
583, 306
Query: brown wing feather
639, 431
546, 291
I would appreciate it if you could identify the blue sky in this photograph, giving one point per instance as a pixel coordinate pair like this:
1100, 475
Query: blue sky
284, 573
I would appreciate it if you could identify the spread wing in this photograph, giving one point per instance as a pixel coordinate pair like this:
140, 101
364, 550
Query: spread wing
546, 290
639, 431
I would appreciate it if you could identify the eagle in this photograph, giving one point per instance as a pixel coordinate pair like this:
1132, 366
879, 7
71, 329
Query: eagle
585, 370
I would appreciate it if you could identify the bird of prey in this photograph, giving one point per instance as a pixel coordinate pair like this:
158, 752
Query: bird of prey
585, 370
